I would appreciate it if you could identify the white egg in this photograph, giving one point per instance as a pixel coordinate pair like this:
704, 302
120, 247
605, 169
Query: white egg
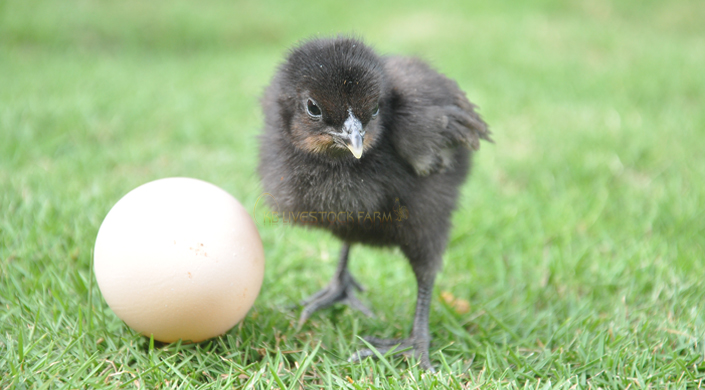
179, 258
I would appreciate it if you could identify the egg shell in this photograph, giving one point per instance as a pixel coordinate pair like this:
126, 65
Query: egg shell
179, 258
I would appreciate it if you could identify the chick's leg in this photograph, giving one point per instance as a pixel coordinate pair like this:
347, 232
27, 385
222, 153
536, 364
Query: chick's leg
340, 289
418, 342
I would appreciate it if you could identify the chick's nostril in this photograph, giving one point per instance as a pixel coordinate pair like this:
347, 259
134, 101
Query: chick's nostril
352, 124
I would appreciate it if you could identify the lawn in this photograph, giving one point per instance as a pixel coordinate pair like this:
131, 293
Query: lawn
577, 258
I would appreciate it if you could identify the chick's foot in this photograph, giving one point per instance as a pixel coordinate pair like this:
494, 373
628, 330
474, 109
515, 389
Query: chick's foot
340, 290
415, 346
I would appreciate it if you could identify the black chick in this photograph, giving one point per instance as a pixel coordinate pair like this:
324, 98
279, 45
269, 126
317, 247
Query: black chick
373, 149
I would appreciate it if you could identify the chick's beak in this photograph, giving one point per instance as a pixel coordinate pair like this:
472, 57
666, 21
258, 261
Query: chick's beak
352, 135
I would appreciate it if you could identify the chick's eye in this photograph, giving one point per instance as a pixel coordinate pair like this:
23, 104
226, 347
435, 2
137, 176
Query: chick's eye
312, 109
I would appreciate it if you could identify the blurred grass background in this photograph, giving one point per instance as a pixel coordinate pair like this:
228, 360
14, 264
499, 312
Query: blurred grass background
577, 254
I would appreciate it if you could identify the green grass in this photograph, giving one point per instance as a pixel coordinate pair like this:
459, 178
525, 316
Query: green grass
579, 244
